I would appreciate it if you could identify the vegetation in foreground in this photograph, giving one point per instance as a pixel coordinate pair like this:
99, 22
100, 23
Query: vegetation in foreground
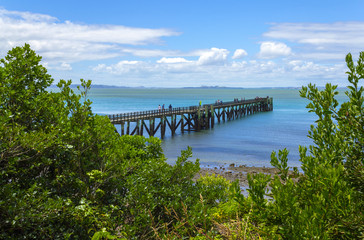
66, 174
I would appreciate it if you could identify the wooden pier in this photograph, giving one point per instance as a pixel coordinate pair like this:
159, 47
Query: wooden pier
193, 118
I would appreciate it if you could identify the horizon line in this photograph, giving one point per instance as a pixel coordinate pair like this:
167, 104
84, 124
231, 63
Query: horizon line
206, 87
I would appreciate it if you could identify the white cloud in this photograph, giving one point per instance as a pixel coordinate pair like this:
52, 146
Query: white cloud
302, 66
173, 60
32, 17
321, 41
309, 68
339, 33
71, 42
254, 73
214, 56
239, 53
270, 50
65, 66
145, 53
277, 64
100, 67
326, 56
119, 68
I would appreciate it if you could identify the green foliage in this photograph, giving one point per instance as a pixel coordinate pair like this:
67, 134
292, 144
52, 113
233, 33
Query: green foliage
154, 186
66, 173
55, 155
257, 189
325, 201
23, 81
214, 189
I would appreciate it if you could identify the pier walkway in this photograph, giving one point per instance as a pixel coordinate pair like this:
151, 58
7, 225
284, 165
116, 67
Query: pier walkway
192, 118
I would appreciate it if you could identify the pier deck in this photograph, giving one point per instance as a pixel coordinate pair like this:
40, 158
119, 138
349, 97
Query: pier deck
192, 118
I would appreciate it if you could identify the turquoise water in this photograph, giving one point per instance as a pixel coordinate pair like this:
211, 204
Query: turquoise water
249, 140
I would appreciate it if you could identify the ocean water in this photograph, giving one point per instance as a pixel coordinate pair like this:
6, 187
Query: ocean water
248, 141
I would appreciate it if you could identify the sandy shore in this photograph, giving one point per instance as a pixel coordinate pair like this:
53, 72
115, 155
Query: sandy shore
234, 172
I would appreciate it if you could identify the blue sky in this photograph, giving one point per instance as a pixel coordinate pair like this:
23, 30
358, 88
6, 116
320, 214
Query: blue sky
188, 43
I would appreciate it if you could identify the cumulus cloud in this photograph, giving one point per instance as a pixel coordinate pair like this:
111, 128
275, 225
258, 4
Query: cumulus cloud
62, 43
214, 56
270, 50
173, 60
65, 66
71, 42
121, 67
239, 53
254, 73
145, 53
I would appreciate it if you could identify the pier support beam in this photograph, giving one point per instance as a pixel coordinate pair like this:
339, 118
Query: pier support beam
163, 127
212, 116
122, 128
195, 118
182, 124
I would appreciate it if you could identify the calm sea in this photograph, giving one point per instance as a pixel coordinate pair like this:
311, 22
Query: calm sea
246, 141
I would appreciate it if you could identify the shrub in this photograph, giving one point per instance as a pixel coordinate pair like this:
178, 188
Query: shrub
66, 173
326, 201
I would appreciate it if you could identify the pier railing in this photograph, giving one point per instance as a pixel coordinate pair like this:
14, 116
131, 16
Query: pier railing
133, 116
192, 118
151, 113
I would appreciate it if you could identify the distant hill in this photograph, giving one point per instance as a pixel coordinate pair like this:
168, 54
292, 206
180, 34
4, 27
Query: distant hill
97, 86
223, 87
213, 87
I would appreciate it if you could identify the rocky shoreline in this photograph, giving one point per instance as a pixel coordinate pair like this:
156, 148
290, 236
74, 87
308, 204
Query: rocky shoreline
233, 172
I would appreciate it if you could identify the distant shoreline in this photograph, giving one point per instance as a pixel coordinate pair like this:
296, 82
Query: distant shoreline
100, 86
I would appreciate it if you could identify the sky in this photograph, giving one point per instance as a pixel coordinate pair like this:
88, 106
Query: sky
232, 43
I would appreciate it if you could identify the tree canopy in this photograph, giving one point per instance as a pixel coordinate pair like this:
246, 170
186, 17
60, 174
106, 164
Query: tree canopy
66, 174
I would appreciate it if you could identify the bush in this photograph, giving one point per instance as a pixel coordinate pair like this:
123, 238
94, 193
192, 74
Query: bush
326, 200
66, 173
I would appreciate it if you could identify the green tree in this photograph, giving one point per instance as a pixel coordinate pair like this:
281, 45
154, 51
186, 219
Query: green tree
326, 200
66, 173
23, 80
51, 149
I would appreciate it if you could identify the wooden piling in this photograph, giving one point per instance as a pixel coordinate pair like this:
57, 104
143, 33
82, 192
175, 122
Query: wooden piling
182, 125
141, 127
122, 128
212, 117
195, 118
163, 127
